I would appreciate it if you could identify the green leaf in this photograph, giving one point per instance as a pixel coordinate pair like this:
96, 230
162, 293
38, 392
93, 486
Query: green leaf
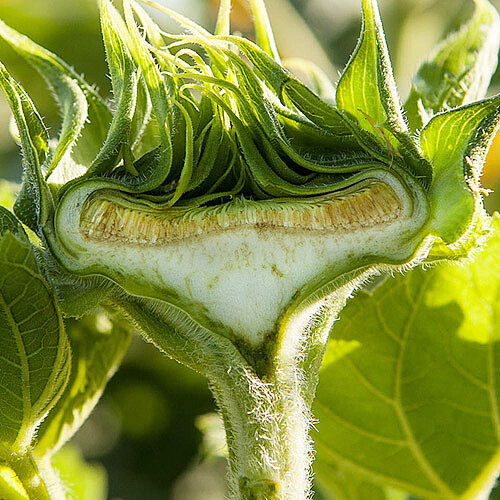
124, 80
263, 30
85, 115
474, 238
9, 222
82, 480
35, 353
98, 347
456, 142
459, 69
162, 107
367, 91
223, 25
141, 120
78, 297
409, 391
8, 193
285, 85
34, 201
338, 483
10, 486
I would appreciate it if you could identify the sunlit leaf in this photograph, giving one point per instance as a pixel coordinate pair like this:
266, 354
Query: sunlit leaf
408, 394
10, 486
456, 142
367, 88
341, 483
459, 69
223, 25
8, 193
367, 91
263, 30
82, 480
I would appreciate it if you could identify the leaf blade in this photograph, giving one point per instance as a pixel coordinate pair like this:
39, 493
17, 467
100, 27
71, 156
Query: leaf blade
85, 115
34, 202
367, 86
409, 387
367, 93
456, 142
9, 222
124, 79
263, 30
35, 350
459, 69
97, 349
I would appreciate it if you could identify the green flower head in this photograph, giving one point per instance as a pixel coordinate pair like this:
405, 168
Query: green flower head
221, 188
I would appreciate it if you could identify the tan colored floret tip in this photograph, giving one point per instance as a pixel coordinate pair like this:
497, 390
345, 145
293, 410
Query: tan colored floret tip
105, 220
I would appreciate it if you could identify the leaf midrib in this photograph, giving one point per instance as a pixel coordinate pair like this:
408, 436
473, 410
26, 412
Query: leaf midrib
30, 410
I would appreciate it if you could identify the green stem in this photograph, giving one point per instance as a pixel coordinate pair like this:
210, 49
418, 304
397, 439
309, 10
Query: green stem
267, 429
268, 418
28, 473
265, 403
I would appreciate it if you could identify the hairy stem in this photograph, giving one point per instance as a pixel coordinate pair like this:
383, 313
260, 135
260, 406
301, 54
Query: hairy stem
28, 473
264, 395
267, 431
268, 418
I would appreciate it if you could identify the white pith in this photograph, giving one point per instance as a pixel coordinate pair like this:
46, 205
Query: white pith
243, 275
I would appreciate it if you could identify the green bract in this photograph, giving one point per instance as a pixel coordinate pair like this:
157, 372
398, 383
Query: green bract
229, 210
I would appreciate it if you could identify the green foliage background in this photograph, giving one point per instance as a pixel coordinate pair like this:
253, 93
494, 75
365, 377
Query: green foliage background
143, 431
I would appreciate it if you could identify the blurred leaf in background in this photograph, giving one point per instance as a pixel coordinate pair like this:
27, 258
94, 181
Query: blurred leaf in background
83, 481
143, 430
69, 28
8, 193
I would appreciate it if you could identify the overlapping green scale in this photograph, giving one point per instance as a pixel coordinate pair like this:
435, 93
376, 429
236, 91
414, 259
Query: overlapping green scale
199, 118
